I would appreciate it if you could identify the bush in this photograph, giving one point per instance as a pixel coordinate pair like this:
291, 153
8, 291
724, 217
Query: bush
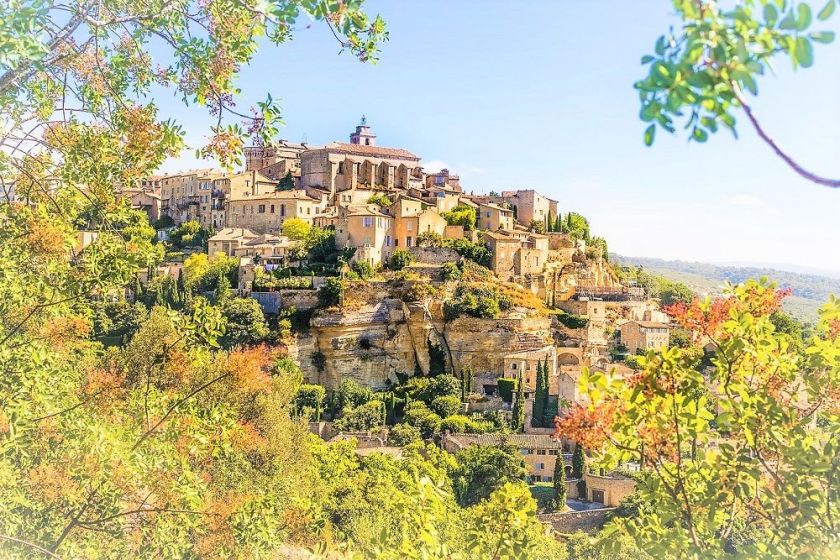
245, 322
330, 294
441, 386
475, 252
309, 396
364, 269
380, 199
507, 386
351, 394
581, 488
362, 418
450, 271
404, 434
461, 215
455, 424
476, 300
400, 259
428, 425
189, 234
446, 406
572, 321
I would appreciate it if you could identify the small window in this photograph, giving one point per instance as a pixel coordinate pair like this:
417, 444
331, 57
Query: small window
272, 209
341, 168
367, 221
540, 451
282, 209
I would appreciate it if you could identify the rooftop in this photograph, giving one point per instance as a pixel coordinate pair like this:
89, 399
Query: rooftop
530, 441
363, 150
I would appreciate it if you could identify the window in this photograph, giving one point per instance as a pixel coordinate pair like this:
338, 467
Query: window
341, 168
408, 241
282, 209
367, 141
540, 451
552, 452
272, 209
396, 242
387, 240
409, 226
540, 466
487, 214
512, 366
548, 479
526, 451
367, 221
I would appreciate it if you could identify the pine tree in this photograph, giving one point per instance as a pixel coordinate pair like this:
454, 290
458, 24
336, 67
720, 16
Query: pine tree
182, 285
559, 483
558, 223
549, 223
578, 462
136, 289
518, 417
539, 410
287, 183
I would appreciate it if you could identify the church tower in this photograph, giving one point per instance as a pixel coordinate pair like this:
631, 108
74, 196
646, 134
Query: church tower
363, 135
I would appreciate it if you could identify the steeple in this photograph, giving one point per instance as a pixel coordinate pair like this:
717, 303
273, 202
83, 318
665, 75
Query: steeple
363, 135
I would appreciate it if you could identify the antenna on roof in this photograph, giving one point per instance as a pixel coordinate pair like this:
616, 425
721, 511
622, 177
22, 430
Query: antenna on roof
364, 120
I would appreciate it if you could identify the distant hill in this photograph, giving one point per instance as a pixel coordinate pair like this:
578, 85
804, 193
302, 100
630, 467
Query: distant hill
810, 291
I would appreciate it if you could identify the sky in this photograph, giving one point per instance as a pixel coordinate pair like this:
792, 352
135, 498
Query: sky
540, 95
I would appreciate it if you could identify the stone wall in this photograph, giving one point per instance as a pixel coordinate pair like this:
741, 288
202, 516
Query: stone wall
300, 299
615, 488
269, 301
434, 255
589, 521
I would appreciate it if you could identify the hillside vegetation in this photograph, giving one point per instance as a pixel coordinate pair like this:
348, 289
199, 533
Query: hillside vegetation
809, 290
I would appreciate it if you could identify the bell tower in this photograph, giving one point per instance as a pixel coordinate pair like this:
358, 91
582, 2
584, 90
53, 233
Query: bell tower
363, 135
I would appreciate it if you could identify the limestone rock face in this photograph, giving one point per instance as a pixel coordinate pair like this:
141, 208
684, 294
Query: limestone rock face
374, 343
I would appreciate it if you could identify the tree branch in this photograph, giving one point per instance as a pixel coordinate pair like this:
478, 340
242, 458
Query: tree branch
833, 183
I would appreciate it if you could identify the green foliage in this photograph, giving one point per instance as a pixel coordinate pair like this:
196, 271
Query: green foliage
476, 300
482, 469
164, 222
287, 183
700, 72
559, 482
600, 244
403, 434
311, 398
418, 414
673, 292
450, 271
443, 385
461, 215
364, 269
572, 321
203, 273
517, 420
475, 252
331, 292
245, 322
506, 387
363, 417
540, 394
351, 394
381, 199
437, 359
116, 322
400, 259
189, 234
578, 462
446, 405
576, 226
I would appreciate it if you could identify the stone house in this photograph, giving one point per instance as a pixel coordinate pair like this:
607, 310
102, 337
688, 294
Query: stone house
493, 217
275, 161
516, 253
413, 217
366, 228
644, 335
443, 179
228, 240
530, 205
149, 202
524, 362
265, 213
539, 451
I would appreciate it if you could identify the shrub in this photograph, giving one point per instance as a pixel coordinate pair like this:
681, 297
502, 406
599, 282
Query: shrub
364, 269
404, 434
381, 199
461, 215
245, 322
506, 386
455, 424
441, 386
446, 406
475, 252
428, 425
310, 397
400, 259
362, 418
330, 294
572, 321
351, 394
476, 300
430, 239
581, 488
450, 271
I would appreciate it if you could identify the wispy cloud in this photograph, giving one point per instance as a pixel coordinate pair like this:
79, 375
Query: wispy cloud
433, 166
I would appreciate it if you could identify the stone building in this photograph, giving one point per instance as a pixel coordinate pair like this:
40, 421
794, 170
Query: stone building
340, 166
516, 253
493, 217
228, 240
149, 202
443, 179
275, 161
240, 242
529, 205
367, 229
539, 451
413, 217
265, 213
644, 335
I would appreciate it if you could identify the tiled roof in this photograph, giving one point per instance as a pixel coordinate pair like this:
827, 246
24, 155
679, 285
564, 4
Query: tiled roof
652, 324
229, 234
362, 150
296, 194
530, 441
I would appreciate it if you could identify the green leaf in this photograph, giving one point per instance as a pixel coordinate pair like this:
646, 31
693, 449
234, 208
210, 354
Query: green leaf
647, 58
650, 132
699, 135
803, 19
804, 52
822, 36
771, 14
660, 46
789, 21
747, 81
827, 11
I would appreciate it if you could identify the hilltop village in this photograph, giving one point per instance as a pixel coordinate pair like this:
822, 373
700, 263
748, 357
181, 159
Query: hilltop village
413, 308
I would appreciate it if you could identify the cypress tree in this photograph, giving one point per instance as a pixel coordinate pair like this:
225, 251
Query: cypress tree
539, 407
136, 289
549, 223
558, 223
546, 385
182, 286
518, 419
560, 482
578, 462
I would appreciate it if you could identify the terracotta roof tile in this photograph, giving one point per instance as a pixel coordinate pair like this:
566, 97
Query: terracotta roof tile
362, 150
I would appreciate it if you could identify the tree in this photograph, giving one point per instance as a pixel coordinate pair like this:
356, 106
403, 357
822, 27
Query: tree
559, 481
481, 469
310, 397
767, 403
361, 418
546, 385
558, 223
403, 434
703, 72
576, 226
351, 394
446, 406
400, 259
461, 215
244, 320
331, 292
287, 183
539, 401
674, 292
578, 461
296, 229
517, 420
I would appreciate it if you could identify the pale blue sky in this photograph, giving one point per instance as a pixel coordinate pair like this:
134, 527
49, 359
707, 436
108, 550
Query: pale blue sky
539, 95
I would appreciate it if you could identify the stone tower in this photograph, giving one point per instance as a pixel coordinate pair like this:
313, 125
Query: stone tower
363, 135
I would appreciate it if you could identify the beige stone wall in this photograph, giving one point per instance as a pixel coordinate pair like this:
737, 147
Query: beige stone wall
266, 213
493, 219
614, 489
636, 337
